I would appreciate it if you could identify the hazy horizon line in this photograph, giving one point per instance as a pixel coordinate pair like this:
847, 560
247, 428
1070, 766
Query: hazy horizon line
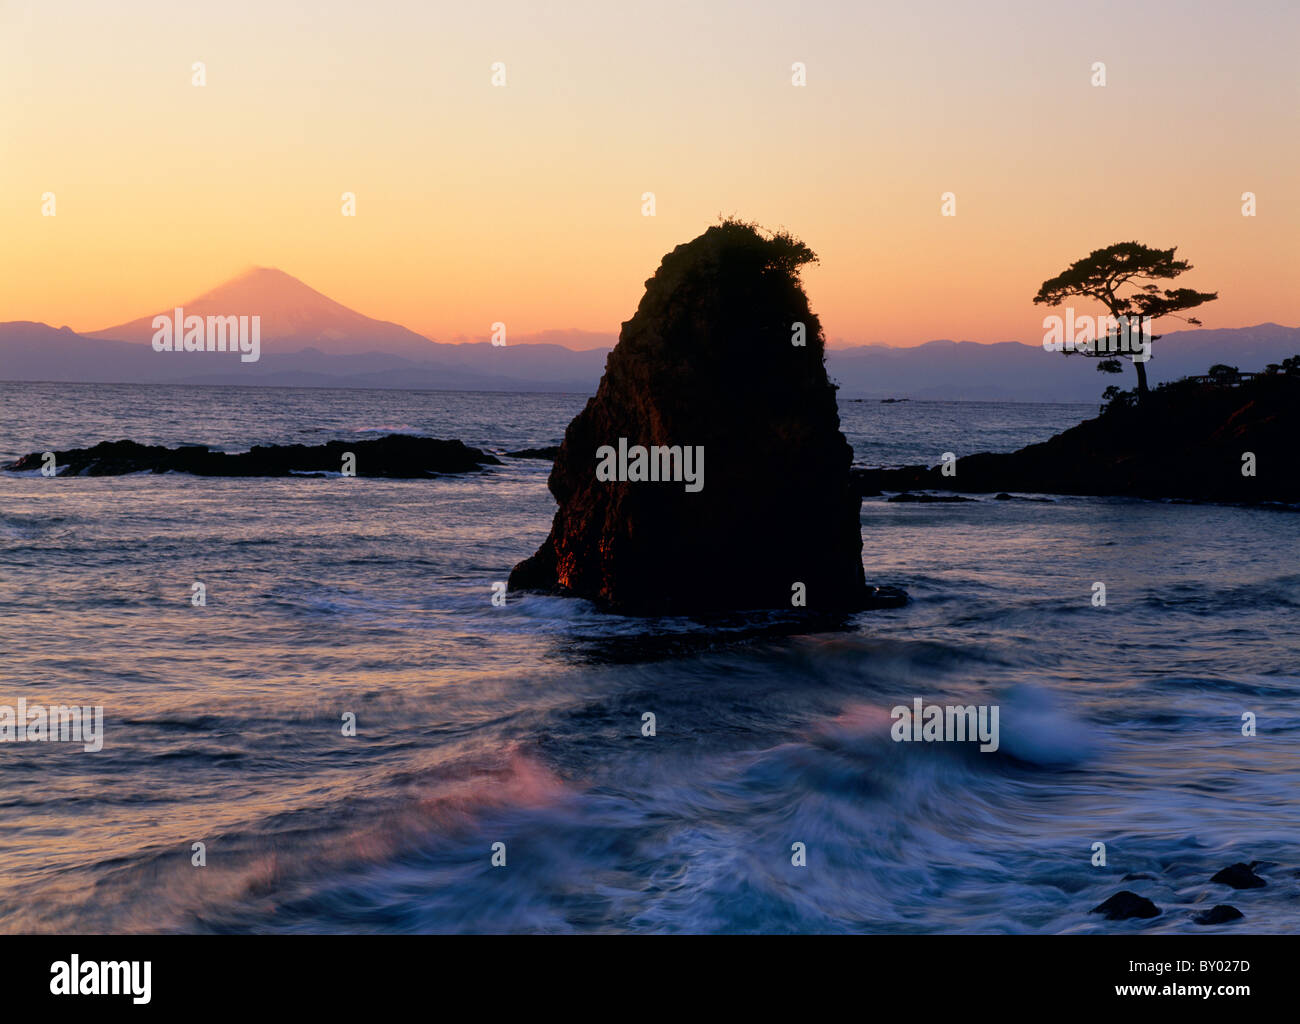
547, 336
536, 337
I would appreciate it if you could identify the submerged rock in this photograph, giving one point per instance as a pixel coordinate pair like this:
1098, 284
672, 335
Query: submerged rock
1220, 914
548, 453
1239, 876
744, 496
1125, 904
395, 455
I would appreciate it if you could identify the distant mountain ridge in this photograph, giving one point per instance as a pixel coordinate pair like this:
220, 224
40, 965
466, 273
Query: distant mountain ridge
37, 352
294, 316
309, 340
1010, 370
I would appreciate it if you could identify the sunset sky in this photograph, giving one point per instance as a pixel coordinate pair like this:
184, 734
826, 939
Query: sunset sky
522, 204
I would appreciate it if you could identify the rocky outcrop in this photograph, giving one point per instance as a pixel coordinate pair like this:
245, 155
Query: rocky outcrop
708, 367
1239, 876
396, 455
1124, 905
1187, 441
929, 499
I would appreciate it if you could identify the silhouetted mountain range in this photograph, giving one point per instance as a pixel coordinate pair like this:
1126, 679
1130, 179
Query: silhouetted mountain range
1013, 371
309, 340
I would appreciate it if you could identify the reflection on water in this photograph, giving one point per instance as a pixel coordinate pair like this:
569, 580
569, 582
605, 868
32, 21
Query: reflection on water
523, 725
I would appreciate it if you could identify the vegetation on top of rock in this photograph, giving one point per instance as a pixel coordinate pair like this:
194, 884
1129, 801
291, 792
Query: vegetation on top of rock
1219, 375
1189, 440
1102, 274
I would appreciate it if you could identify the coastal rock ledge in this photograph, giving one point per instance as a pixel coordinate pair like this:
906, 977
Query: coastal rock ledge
721, 370
398, 456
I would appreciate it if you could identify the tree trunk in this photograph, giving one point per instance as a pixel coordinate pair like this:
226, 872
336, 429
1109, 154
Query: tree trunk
1143, 391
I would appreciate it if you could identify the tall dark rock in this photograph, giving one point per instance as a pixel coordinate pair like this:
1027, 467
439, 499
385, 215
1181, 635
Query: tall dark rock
708, 360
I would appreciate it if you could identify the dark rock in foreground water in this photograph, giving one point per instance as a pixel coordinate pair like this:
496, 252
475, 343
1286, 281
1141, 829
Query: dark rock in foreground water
1240, 876
707, 367
929, 499
1220, 914
1125, 904
399, 456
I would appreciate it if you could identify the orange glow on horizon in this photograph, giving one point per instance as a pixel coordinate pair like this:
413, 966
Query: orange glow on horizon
522, 204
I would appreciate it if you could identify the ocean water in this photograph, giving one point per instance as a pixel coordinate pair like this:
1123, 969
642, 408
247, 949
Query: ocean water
521, 725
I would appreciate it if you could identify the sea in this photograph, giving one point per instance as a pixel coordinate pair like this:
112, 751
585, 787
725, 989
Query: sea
349, 736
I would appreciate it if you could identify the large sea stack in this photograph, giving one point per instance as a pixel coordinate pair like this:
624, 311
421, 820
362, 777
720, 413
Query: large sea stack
710, 361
